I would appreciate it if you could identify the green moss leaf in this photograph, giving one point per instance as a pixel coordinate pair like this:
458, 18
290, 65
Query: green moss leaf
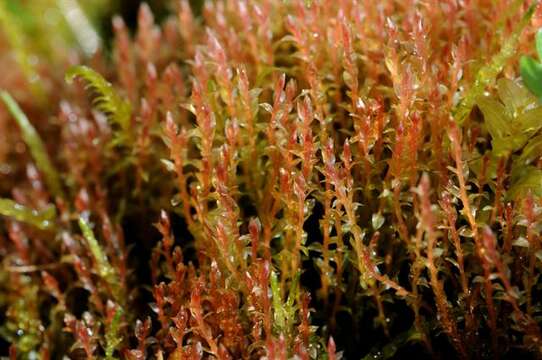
538, 41
529, 181
113, 336
509, 144
530, 121
531, 73
107, 100
278, 308
41, 219
102, 266
531, 152
515, 97
487, 74
497, 123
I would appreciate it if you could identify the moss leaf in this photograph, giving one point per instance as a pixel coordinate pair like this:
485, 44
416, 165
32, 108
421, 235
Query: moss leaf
531, 152
530, 121
515, 97
41, 219
497, 123
487, 74
531, 73
107, 100
529, 181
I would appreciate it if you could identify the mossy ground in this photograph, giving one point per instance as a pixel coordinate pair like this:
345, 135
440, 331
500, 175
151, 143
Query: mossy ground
270, 179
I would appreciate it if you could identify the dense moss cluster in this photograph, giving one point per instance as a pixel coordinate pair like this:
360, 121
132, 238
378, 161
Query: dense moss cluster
271, 180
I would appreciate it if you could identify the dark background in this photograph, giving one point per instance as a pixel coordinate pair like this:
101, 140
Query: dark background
128, 10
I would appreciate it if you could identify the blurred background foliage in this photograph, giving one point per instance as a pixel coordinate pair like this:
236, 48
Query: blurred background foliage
39, 23
40, 39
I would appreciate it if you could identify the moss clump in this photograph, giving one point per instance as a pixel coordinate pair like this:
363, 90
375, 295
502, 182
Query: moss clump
272, 179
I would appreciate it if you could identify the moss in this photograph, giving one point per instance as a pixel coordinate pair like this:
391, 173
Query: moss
272, 179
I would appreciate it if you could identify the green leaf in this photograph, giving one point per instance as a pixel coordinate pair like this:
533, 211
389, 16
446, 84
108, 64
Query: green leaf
530, 121
497, 123
515, 97
34, 143
103, 268
530, 181
531, 74
531, 152
278, 309
539, 43
487, 74
293, 294
505, 146
107, 100
113, 337
41, 219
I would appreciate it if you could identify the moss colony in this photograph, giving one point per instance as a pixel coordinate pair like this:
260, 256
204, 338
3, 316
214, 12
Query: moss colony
271, 180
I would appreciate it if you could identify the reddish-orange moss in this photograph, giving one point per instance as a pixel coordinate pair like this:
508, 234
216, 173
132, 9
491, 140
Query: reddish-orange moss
277, 179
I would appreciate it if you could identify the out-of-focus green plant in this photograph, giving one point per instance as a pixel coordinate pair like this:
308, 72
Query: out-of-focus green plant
531, 70
488, 73
32, 139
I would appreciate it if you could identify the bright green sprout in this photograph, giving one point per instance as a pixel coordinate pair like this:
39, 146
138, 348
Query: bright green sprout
107, 100
531, 70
